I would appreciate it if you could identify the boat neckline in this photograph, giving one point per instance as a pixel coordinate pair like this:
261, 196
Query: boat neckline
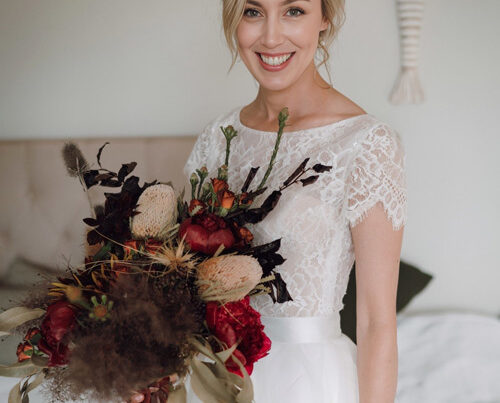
316, 128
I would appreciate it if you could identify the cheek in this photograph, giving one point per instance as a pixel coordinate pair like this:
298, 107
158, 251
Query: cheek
304, 35
246, 35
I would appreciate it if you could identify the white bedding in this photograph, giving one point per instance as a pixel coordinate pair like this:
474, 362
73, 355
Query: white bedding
448, 357
443, 358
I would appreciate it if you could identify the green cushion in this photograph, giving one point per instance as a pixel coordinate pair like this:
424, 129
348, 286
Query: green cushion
411, 282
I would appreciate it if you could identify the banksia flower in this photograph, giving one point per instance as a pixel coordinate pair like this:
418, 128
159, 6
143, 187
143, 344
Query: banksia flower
228, 277
158, 213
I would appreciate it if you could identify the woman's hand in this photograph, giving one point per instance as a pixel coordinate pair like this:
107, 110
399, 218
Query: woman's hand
137, 397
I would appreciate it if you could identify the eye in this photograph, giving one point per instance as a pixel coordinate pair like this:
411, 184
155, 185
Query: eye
297, 9
245, 13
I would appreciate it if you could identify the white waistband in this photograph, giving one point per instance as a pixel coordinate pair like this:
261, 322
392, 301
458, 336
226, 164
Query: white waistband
302, 329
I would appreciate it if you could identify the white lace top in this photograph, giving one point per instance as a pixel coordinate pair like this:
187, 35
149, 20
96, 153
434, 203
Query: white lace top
367, 158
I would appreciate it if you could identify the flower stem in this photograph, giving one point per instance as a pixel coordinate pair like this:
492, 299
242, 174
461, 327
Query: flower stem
282, 117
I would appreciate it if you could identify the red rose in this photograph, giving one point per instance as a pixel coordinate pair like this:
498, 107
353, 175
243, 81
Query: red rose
239, 321
58, 321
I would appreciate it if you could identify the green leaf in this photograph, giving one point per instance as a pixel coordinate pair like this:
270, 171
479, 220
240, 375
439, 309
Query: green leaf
16, 316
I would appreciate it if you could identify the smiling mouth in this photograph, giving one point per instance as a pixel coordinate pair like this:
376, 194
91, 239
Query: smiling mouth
275, 61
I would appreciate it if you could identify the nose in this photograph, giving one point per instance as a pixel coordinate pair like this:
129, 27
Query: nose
273, 33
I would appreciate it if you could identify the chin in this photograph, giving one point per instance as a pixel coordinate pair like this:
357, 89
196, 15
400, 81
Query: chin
277, 84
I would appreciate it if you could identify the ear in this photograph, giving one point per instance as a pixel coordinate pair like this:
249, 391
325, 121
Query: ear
324, 24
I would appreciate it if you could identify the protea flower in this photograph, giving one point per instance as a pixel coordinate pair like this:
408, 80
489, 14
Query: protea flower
228, 277
158, 212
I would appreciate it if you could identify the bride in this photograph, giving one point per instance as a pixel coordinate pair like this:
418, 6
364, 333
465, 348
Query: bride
356, 212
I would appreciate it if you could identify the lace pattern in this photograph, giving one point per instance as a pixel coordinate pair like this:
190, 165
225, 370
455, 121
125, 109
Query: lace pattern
313, 222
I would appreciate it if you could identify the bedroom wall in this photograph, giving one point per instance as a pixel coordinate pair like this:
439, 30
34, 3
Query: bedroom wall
153, 68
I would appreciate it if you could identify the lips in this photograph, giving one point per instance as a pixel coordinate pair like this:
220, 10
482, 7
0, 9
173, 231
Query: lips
275, 68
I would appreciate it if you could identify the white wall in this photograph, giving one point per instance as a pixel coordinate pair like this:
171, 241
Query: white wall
150, 67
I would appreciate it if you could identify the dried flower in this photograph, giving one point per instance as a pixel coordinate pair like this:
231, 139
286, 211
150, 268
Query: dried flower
228, 277
158, 212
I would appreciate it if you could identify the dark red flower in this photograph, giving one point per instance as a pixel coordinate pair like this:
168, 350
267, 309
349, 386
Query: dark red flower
205, 233
239, 321
58, 321
194, 203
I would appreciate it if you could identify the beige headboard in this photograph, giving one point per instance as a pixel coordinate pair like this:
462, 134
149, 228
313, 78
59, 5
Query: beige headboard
42, 207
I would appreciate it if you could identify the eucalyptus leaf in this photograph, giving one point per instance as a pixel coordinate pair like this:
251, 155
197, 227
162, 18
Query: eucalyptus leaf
40, 376
40, 362
16, 316
18, 369
225, 354
15, 394
178, 395
206, 385
246, 393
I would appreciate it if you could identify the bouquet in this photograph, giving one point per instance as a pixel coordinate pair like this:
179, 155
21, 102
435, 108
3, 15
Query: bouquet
164, 293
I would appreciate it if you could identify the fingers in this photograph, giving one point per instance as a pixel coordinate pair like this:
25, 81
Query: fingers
137, 398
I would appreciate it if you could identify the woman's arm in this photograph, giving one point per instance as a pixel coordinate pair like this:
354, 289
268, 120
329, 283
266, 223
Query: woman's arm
377, 249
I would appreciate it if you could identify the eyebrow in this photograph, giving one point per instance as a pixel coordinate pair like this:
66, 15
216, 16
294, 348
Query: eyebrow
283, 3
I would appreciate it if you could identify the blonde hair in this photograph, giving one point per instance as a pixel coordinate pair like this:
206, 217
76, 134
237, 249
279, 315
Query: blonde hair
332, 10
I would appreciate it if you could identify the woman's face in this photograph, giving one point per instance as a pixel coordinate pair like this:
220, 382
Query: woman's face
271, 31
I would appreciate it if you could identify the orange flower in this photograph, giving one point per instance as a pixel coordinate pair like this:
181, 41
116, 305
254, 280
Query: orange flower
131, 246
227, 199
24, 351
152, 245
219, 184
245, 234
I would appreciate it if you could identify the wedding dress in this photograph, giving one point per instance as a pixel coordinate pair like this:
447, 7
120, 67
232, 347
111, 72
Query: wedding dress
310, 360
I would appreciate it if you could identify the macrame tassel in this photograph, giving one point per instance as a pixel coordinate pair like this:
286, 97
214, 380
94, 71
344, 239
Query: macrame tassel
407, 88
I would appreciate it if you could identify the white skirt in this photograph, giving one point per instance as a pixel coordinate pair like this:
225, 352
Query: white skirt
310, 360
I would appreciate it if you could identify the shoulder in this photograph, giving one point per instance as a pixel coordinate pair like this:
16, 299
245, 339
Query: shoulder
379, 135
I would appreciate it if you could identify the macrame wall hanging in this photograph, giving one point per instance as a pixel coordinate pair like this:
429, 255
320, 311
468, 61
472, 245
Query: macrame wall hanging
407, 89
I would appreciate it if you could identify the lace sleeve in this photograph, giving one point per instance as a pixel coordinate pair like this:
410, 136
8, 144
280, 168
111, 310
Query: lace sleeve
378, 175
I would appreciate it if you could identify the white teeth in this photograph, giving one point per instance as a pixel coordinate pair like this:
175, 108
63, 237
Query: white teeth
275, 61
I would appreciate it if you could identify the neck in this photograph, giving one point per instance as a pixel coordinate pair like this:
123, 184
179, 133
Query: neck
306, 95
